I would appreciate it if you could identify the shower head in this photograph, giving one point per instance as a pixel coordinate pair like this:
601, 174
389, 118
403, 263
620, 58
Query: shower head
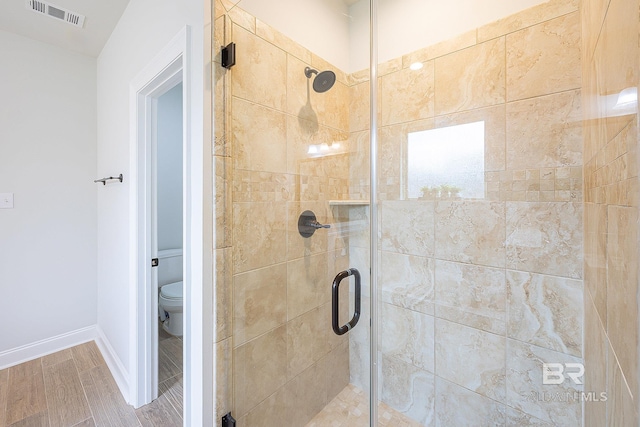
323, 80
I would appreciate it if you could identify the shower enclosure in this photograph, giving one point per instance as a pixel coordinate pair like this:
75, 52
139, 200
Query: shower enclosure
473, 259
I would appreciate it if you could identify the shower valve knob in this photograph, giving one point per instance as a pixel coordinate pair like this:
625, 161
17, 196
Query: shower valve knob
308, 224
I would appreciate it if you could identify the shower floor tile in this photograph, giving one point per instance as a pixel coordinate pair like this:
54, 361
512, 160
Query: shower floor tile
350, 408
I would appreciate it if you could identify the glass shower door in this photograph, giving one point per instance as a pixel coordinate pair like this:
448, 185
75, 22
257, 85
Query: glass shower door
293, 176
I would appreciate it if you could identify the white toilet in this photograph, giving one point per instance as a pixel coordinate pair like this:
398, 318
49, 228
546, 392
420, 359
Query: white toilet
170, 290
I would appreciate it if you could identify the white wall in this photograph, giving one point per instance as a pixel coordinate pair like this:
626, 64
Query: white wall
320, 26
48, 159
408, 25
144, 29
170, 169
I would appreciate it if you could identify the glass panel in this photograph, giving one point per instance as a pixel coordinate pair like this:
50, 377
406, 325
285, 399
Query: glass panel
294, 158
481, 211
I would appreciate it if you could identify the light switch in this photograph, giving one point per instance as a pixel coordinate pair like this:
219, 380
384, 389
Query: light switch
6, 200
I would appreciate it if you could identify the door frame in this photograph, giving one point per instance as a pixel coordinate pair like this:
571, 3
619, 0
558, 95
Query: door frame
170, 66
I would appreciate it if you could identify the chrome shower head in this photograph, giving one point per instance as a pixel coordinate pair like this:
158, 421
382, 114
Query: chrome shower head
323, 80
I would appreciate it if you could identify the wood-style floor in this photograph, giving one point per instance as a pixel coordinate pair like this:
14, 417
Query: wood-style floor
74, 387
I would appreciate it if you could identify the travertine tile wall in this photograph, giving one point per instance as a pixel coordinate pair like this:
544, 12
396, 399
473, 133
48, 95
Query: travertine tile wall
610, 64
478, 293
277, 360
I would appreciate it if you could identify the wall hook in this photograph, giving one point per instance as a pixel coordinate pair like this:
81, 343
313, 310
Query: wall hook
109, 178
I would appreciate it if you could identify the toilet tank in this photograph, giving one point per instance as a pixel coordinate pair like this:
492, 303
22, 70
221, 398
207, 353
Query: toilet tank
169, 266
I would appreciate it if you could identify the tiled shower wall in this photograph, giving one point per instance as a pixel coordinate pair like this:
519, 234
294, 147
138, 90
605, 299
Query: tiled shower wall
610, 64
279, 362
478, 293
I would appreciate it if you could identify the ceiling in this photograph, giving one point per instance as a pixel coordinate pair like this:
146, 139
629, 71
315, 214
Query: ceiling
101, 19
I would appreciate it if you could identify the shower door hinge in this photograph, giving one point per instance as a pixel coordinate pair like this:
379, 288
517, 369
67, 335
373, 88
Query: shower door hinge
228, 421
154, 262
228, 55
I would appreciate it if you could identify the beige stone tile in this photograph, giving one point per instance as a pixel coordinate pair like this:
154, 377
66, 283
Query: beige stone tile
471, 232
301, 134
229, 4
390, 66
457, 406
534, 15
483, 369
359, 345
259, 302
595, 252
544, 59
622, 281
407, 95
470, 78
408, 336
258, 240
545, 238
617, 57
275, 37
472, 295
359, 102
407, 281
545, 132
222, 293
526, 391
257, 186
359, 76
408, 389
595, 360
259, 137
330, 108
546, 311
359, 161
621, 407
336, 367
260, 73
306, 395
307, 341
223, 371
223, 199
308, 284
451, 45
269, 413
521, 419
242, 18
592, 15
494, 132
408, 227
260, 368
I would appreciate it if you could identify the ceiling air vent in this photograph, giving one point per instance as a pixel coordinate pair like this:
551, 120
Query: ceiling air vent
55, 12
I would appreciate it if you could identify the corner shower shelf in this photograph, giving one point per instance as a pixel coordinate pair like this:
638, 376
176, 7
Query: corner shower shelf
348, 202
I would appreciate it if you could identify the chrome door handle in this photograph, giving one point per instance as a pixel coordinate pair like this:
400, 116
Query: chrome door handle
335, 302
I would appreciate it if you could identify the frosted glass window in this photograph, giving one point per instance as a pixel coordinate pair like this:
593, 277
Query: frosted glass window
446, 163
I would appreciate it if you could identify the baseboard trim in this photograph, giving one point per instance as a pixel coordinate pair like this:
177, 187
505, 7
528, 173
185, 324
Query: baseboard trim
25, 353
118, 371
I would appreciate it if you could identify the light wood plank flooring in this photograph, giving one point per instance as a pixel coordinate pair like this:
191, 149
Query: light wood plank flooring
75, 388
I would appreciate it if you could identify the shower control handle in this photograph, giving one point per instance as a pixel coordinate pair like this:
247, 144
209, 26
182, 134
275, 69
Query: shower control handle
308, 224
316, 224
335, 301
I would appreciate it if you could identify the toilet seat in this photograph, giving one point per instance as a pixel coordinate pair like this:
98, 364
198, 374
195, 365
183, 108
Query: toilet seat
172, 291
